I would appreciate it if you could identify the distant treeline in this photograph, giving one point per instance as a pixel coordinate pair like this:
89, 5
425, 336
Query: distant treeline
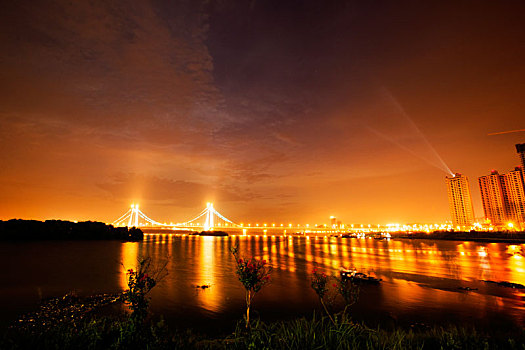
480, 236
17, 229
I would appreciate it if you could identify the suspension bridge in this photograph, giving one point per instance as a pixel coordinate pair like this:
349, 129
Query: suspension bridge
208, 219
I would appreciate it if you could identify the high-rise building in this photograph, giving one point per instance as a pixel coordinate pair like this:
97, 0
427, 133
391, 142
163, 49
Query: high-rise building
515, 195
459, 200
333, 221
520, 148
494, 198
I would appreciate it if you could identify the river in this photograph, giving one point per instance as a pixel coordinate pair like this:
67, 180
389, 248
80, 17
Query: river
420, 278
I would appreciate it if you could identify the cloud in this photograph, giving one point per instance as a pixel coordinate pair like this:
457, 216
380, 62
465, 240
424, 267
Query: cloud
116, 66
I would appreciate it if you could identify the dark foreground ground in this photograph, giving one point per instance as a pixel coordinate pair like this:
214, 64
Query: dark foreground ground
99, 322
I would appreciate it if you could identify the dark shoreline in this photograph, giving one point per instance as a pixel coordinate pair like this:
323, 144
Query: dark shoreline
51, 230
478, 240
481, 237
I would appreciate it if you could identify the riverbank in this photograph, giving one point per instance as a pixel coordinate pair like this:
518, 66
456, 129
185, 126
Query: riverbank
85, 327
31, 230
474, 236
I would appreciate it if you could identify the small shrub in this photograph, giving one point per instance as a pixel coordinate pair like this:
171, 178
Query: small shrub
320, 285
328, 288
140, 282
348, 290
253, 274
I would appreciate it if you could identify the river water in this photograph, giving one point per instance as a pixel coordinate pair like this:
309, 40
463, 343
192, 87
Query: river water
421, 278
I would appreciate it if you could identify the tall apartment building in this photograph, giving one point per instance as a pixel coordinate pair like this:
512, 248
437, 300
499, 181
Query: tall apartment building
494, 198
515, 195
520, 148
459, 200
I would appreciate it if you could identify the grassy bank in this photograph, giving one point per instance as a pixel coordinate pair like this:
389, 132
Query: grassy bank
313, 333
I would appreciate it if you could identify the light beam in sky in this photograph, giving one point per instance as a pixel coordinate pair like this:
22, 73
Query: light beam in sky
505, 132
436, 160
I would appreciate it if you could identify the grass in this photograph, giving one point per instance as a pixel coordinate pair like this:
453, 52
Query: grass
102, 332
72, 322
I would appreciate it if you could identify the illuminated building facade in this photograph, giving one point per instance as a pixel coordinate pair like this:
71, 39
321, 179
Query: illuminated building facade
520, 148
494, 198
515, 195
459, 200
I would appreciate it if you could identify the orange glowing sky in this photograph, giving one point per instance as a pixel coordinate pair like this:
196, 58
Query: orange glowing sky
276, 111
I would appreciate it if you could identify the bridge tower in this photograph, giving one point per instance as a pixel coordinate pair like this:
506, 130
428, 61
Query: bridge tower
134, 216
208, 224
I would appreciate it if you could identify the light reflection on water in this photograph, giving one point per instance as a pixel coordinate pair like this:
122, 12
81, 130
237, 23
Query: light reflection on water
420, 277
129, 261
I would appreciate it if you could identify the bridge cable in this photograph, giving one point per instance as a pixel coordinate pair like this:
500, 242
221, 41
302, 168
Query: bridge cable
122, 217
195, 218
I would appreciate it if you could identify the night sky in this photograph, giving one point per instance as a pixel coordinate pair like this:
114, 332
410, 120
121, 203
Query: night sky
285, 111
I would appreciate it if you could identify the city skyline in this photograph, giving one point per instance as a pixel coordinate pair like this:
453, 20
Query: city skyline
276, 110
